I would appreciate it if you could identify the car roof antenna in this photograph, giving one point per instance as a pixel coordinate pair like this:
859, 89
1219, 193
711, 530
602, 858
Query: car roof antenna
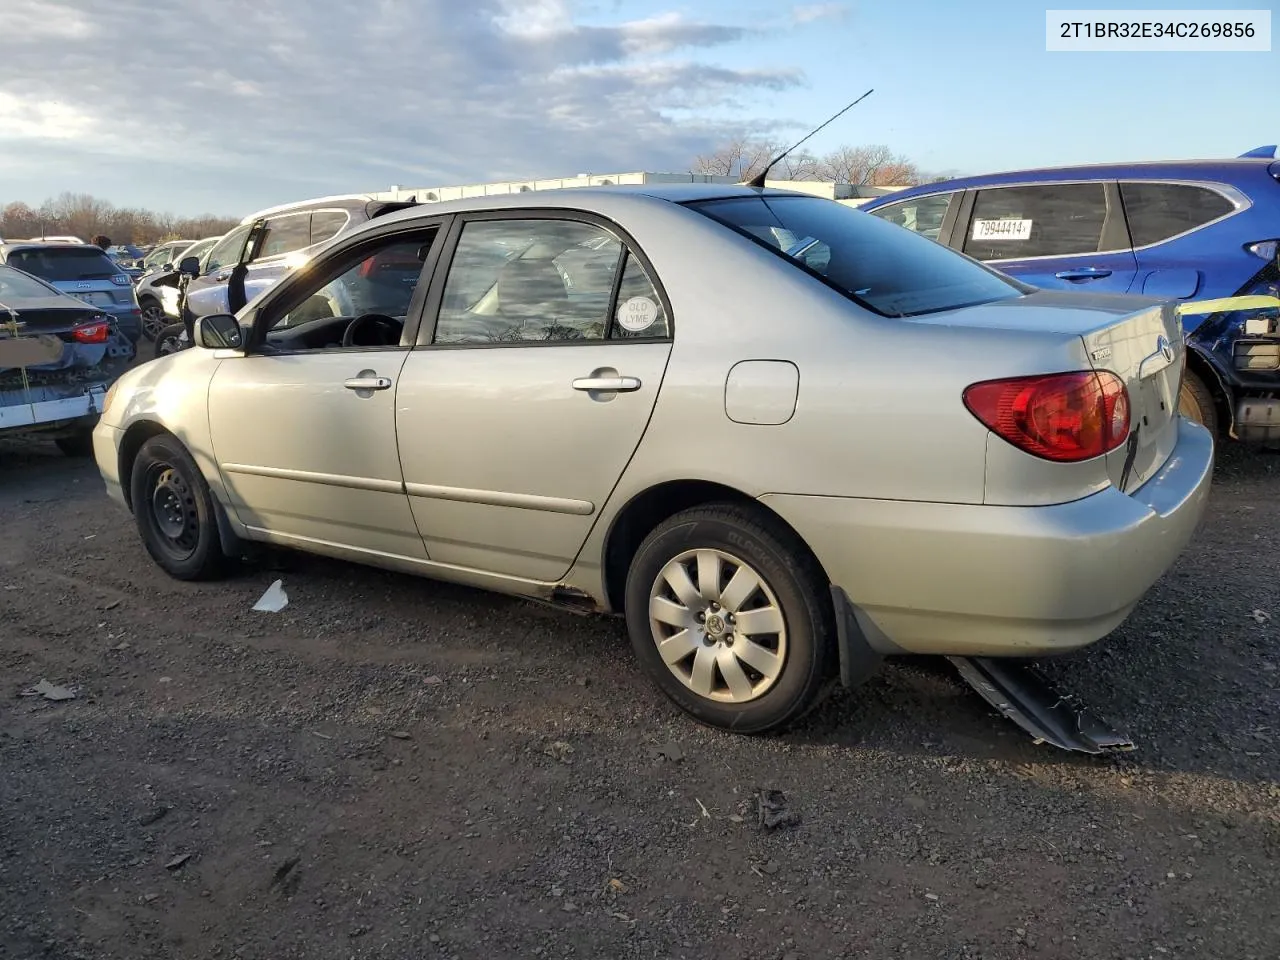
758, 179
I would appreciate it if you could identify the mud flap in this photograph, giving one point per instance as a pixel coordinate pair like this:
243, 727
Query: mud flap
1025, 696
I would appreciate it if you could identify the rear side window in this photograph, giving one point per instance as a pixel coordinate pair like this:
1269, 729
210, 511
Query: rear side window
1158, 211
285, 235
1053, 220
59, 264
325, 224
922, 215
893, 272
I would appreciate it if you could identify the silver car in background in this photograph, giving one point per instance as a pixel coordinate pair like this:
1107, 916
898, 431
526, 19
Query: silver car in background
781, 437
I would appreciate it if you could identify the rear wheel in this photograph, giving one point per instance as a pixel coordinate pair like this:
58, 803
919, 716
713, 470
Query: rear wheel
1195, 402
173, 508
731, 618
169, 340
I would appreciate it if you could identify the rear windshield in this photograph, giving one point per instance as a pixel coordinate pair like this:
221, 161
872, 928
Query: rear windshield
16, 285
65, 263
879, 265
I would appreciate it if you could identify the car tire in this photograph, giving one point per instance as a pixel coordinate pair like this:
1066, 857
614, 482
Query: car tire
755, 680
174, 510
169, 340
78, 444
1195, 402
154, 319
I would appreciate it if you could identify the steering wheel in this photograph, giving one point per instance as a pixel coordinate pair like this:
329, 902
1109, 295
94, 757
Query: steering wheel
389, 329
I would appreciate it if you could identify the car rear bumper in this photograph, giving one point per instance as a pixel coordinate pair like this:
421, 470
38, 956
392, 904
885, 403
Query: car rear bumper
972, 580
48, 413
106, 451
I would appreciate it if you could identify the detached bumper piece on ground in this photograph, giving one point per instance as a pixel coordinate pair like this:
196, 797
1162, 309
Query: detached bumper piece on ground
1026, 697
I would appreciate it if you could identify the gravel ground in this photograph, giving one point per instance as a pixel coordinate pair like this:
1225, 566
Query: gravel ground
396, 768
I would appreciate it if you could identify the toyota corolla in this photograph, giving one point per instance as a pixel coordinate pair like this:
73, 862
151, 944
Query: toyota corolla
783, 438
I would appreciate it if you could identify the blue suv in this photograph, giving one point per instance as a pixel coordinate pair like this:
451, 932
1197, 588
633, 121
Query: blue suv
1178, 230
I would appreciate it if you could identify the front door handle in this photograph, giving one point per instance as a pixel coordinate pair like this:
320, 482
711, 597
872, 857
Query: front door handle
607, 384
368, 383
1084, 273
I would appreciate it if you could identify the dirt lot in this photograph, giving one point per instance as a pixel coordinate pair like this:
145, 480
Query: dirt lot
396, 768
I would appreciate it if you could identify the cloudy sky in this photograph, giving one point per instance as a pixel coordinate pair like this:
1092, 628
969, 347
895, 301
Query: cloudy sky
230, 105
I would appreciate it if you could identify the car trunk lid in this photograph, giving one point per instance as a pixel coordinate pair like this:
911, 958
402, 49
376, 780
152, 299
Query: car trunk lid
1146, 350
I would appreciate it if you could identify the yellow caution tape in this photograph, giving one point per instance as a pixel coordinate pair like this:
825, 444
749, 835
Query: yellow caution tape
1222, 304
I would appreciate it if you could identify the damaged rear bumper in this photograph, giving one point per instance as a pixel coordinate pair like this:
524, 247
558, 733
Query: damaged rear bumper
52, 413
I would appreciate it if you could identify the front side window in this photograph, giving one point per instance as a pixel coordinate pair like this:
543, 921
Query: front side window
377, 281
1053, 220
922, 215
514, 281
226, 251
63, 263
891, 271
1158, 211
285, 235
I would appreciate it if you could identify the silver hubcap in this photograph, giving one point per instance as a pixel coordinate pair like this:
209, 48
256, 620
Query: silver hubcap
718, 626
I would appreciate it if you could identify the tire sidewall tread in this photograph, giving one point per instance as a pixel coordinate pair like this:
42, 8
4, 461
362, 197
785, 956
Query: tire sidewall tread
208, 561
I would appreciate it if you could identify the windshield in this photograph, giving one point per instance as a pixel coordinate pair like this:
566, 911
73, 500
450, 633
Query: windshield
879, 265
16, 285
65, 263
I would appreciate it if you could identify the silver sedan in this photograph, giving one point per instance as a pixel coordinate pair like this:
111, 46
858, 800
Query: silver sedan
783, 438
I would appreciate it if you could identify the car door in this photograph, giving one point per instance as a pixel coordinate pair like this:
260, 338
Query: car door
1059, 236
543, 353
207, 293
303, 426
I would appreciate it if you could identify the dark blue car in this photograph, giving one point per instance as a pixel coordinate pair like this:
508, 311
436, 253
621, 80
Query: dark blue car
1184, 230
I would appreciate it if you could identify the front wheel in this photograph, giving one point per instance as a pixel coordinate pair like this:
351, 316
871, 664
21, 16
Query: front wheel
731, 617
154, 319
174, 510
1195, 402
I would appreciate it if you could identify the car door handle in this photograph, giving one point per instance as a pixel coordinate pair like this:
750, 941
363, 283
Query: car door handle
1083, 273
368, 383
607, 384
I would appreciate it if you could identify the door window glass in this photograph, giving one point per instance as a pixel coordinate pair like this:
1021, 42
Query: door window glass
1158, 211
922, 215
1054, 220
382, 281
514, 281
227, 250
285, 235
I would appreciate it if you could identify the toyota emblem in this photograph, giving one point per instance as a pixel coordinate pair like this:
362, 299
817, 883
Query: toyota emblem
1165, 348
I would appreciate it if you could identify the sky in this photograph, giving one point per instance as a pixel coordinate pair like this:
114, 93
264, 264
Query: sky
225, 107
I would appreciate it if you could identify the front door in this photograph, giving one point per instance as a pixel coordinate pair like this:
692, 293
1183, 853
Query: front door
1068, 236
304, 426
518, 416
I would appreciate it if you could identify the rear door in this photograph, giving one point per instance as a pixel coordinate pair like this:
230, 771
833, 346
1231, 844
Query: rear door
1173, 260
1058, 236
517, 417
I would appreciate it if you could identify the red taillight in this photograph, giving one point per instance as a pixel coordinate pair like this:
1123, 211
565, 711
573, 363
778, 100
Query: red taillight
95, 331
1058, 416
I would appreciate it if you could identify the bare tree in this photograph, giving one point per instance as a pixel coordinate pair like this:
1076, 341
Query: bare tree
875, 165
84, 215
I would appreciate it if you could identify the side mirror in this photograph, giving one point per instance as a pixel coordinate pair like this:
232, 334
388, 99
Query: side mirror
218, 331
189, 266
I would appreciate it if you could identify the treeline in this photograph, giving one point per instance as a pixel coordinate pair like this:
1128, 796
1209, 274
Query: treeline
875, 165
84, 216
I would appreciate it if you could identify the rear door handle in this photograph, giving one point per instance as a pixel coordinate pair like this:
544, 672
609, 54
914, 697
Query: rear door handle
1083, 273
368, 383
607, 384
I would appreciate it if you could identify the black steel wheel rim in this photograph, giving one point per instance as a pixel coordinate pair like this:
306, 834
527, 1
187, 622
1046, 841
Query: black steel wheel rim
172, 510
